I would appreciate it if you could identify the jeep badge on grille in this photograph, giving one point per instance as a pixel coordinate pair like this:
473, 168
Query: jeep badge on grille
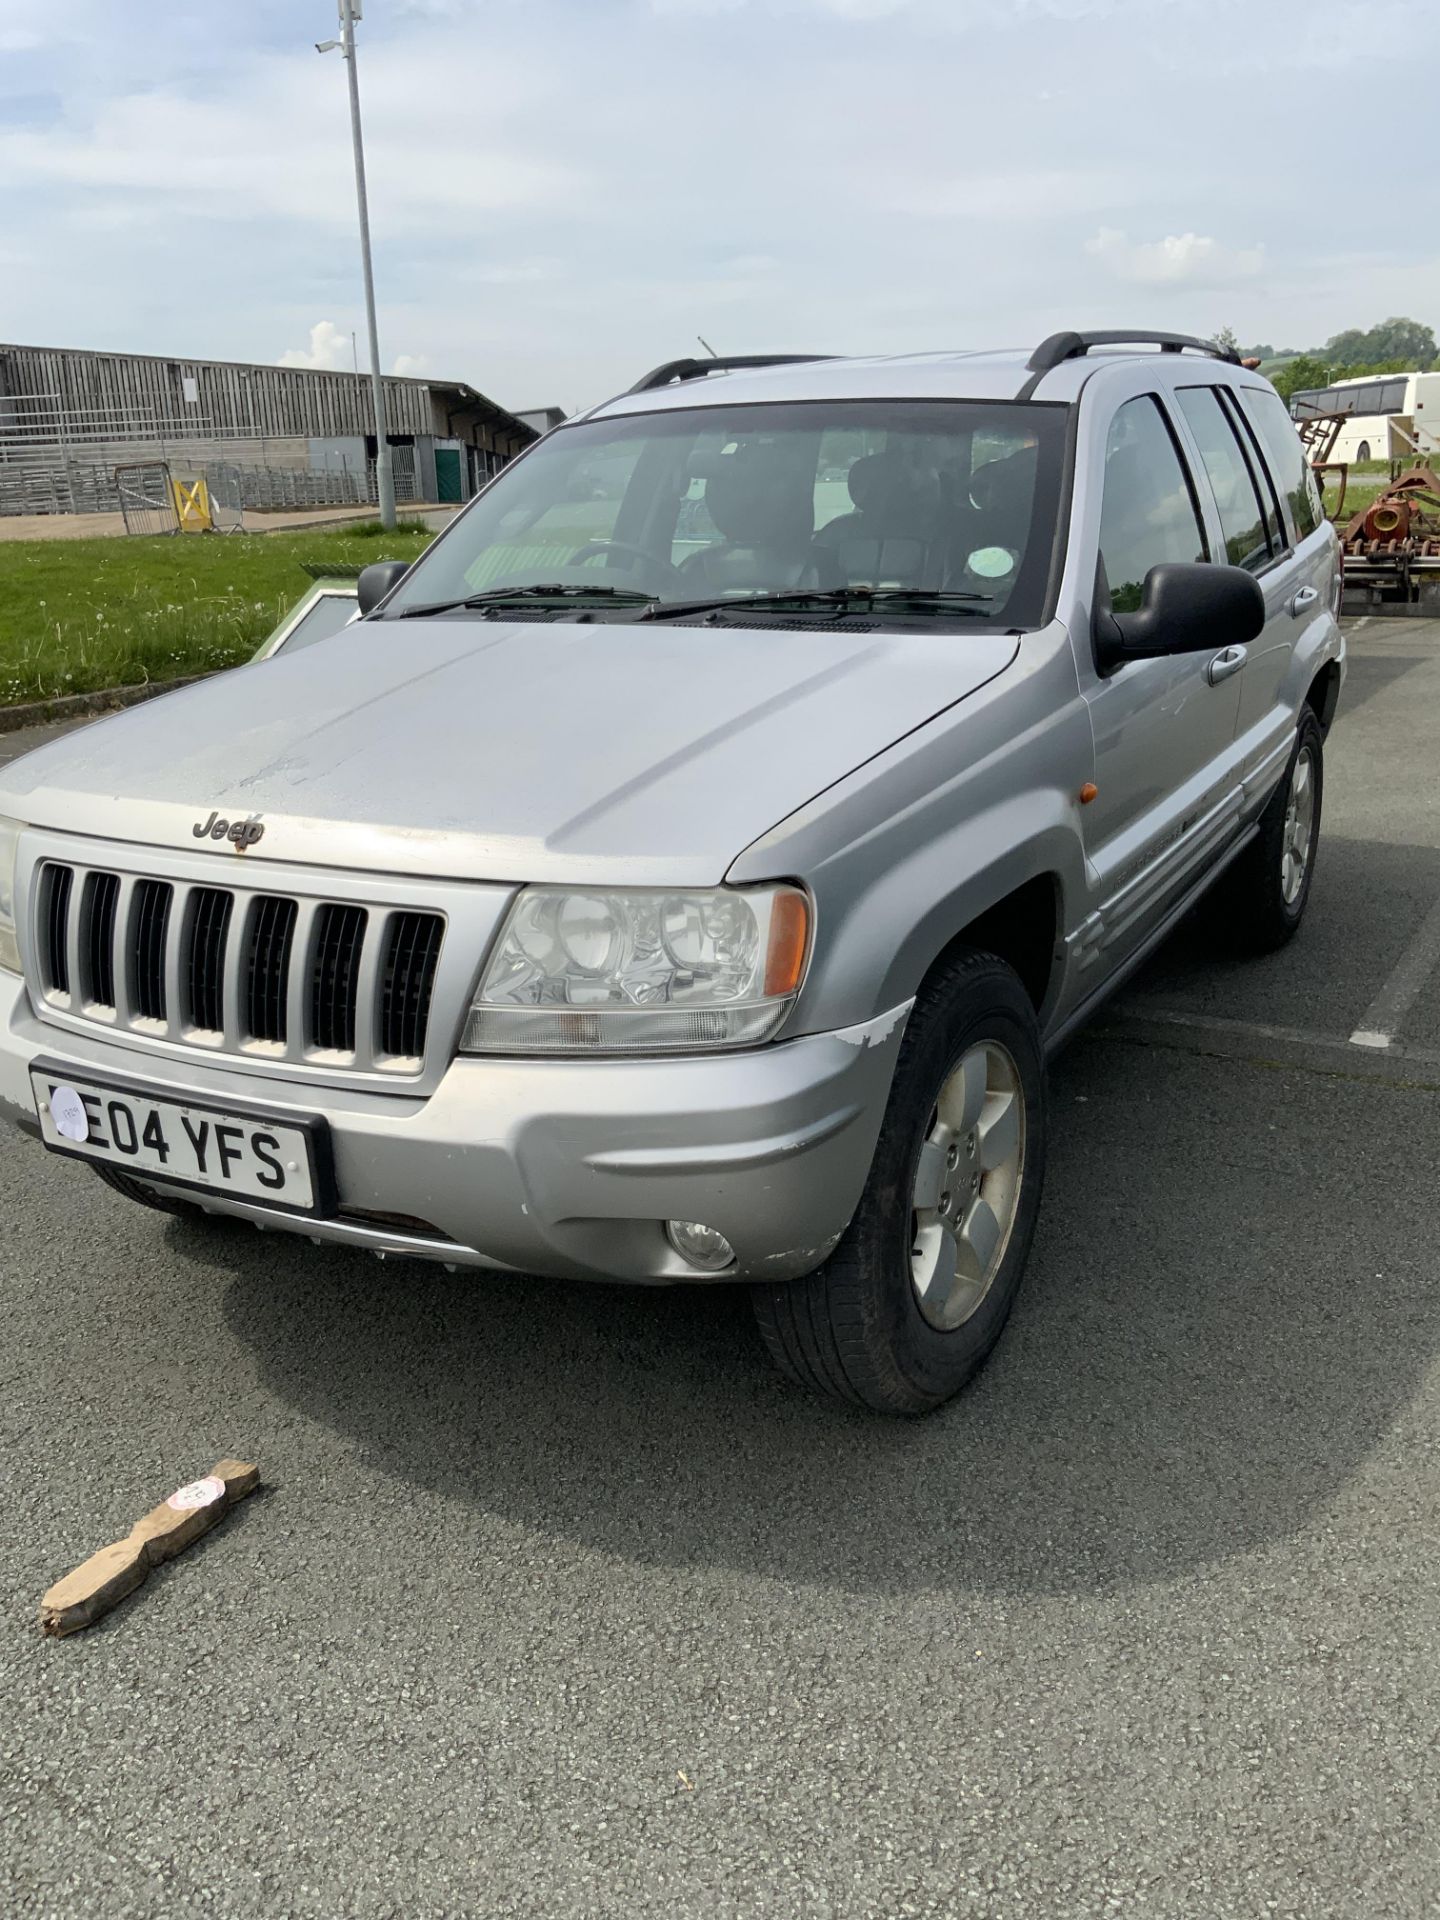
240, 833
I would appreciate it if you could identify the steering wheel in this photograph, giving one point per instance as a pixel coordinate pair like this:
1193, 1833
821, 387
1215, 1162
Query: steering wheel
640, 559
593, 548
661, 571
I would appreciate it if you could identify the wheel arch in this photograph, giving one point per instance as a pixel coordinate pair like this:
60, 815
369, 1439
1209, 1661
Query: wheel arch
881, 941
1323, 693
1022, 928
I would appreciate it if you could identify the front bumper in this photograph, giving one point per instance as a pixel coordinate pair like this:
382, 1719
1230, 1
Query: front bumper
567, 1167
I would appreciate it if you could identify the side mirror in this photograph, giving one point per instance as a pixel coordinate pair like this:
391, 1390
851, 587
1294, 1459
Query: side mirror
1183, 609
377, 580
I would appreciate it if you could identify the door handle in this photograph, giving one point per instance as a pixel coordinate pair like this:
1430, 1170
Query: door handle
1299, 601
1231, 660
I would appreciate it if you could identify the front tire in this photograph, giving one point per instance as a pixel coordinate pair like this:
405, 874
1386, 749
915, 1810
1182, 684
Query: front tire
151, 1197
909, 1305
1267, 889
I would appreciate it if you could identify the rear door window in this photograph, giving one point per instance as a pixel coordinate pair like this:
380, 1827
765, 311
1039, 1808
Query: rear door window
1228, 469
1148, 513
1265, 411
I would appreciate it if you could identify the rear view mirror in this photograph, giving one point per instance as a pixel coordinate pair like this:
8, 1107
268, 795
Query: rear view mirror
1184, 608
377, 580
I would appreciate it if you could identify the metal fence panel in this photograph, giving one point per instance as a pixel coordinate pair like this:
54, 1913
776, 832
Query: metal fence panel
226, 488
147, 498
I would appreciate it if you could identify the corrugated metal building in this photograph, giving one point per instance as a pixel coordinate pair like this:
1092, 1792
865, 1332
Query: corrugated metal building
109, 408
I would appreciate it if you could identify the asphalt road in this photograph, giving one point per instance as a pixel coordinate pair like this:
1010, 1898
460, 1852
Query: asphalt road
557, 1603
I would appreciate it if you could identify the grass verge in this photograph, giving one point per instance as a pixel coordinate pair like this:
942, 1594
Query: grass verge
77, 616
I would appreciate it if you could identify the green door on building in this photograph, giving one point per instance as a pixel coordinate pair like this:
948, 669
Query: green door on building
447, 476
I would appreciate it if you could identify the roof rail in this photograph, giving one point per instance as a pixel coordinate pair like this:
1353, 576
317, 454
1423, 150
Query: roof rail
694, 369
1071, 346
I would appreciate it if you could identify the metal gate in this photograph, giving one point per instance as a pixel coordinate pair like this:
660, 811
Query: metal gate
227, 498
402, 473
147, 498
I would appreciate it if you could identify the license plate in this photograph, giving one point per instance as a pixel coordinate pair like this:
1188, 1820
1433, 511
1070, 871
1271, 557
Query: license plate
238, 1151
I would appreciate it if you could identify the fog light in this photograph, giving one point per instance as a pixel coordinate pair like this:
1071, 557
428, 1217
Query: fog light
703, 1247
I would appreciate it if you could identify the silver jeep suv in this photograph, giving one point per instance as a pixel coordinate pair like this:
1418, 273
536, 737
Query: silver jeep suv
685, 869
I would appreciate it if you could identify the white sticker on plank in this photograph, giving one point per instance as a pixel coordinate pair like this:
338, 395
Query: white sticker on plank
199, 1493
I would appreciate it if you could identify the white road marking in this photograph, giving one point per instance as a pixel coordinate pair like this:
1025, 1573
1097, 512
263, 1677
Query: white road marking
1292, 1041
1383, 1016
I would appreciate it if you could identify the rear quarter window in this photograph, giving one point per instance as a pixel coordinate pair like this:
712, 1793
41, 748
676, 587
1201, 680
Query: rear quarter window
1265, 411
1242, 514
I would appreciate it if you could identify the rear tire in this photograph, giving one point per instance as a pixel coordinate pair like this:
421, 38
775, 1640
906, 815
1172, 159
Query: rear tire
908, 1306
1266, 891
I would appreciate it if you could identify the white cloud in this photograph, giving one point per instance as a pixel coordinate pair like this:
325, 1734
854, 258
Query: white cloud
408, 365
1001, 195
513, 273
329, 348
425, 168
1183, 259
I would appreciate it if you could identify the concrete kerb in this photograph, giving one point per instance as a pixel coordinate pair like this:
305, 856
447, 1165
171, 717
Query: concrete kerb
77, 706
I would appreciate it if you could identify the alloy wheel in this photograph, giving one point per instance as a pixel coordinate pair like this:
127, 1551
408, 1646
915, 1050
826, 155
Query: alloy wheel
967, 1185
1298, 840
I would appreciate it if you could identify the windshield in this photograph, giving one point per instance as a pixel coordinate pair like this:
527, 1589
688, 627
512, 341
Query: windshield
714, 504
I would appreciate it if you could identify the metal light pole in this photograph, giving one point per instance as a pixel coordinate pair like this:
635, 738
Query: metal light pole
350, 12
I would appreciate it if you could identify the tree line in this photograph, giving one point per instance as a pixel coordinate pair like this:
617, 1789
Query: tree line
1396, 345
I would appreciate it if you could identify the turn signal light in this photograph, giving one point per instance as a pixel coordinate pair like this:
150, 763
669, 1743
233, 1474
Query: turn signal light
789, 942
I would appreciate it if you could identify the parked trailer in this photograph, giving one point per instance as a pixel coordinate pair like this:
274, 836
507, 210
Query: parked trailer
1392, 548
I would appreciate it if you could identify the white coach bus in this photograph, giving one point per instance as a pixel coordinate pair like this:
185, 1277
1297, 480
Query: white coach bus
1389, 416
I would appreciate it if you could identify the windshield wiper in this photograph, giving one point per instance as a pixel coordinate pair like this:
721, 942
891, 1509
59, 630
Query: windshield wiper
838, 599
554, 590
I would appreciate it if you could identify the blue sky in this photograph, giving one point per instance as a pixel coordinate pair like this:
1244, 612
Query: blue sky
567, 191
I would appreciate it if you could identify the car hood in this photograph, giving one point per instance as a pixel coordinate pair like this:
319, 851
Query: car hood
515, 751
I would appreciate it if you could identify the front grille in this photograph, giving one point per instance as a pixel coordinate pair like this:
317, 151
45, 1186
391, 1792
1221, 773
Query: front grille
147, 947
97, 939
264, 973
334, 978
210, 911
271, 936
56, 886
411, 956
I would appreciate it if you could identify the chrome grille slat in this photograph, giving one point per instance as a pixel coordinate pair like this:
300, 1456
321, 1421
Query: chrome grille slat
367, 1023
120, 969
302, 962
278, 977
233, 939
174, 962
72, 944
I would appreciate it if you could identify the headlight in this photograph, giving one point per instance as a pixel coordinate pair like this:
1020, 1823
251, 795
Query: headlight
9, 847
586, 971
